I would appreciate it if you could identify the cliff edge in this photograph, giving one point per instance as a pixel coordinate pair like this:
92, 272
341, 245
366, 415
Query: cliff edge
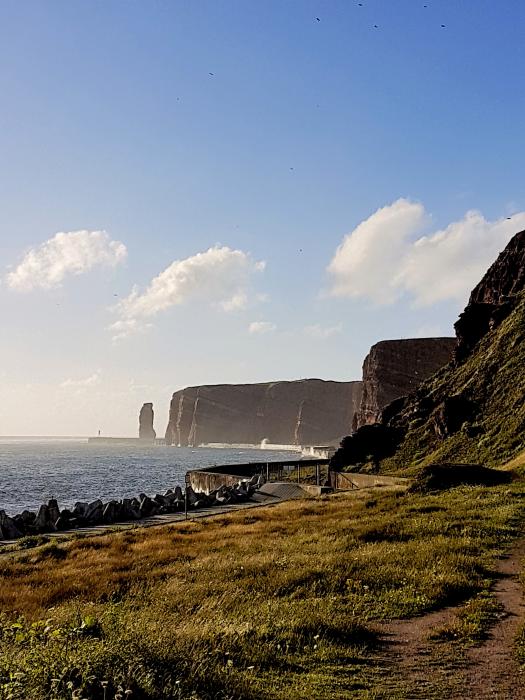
395, 368
473, 409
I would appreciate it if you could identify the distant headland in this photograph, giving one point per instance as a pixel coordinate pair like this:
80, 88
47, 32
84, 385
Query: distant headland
293, 415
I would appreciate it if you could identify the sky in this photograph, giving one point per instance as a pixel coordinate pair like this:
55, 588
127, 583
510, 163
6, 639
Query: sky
241, 191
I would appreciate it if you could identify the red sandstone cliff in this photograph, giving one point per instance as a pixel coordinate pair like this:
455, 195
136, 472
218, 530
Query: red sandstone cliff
395, 368
305, 412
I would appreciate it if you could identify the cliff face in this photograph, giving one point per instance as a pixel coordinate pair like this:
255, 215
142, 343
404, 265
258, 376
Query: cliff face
493, 299
472, 410
394, 368
146, 415
305, 412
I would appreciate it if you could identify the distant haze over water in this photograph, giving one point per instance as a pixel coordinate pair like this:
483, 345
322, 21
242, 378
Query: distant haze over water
35, 469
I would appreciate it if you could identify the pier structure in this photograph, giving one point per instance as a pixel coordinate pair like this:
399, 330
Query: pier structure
125, 441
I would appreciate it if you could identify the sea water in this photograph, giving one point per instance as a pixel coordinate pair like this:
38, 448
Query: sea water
33, 470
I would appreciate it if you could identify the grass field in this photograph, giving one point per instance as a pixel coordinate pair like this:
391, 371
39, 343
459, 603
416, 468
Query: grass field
277, 602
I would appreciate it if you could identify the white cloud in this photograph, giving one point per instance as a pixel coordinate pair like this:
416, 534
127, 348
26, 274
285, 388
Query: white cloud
429, 330
369, 255
449, 263
73, 253
219, 276
261, 327
387, 255
322, 332
92, 380
238, 302
125, 327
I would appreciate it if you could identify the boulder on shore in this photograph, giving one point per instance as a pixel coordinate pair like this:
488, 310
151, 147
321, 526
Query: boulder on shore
8, 528
44, 521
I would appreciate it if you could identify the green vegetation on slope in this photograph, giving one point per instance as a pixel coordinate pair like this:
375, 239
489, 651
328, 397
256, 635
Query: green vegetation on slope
493, 378
272, 603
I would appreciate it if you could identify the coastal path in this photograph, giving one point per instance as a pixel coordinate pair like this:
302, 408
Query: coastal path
413, 666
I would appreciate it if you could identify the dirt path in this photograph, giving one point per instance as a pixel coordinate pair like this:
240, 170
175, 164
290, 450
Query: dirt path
412, 667
492, 670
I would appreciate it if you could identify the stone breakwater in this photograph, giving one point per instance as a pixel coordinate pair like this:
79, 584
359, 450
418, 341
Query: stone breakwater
50, 518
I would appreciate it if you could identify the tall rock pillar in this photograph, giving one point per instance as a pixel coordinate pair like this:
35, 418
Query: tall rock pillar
146, 415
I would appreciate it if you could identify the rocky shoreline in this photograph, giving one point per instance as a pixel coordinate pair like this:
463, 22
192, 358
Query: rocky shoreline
50, 518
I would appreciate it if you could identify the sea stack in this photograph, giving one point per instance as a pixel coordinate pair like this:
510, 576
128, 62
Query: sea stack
146, 415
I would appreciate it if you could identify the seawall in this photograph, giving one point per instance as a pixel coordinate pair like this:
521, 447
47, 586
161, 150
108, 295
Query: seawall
125, 441
344, 481
250, 446
207, 480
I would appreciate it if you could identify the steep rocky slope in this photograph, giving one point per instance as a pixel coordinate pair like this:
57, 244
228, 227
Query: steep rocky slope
494, 297
472, 410
395, 368
305, 412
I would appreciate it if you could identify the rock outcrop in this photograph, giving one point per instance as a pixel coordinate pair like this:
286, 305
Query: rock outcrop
395, 368
493, 299
472, 410
146, 416
304, 412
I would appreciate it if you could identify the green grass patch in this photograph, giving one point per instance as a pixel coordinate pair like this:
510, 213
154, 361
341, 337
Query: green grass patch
472, 622
278, 603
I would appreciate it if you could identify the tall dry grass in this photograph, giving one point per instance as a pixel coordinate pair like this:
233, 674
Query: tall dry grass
267, 603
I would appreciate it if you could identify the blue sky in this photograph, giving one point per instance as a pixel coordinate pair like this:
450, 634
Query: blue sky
111, 122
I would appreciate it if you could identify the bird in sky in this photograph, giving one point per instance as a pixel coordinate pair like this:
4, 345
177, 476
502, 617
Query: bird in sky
211, 73
317, 18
